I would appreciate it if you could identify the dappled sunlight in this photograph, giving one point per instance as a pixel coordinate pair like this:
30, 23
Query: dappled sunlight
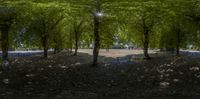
164, 84
6, 81
162, 75
194, 69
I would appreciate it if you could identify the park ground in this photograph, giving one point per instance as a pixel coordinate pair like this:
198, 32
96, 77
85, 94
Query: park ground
120, 74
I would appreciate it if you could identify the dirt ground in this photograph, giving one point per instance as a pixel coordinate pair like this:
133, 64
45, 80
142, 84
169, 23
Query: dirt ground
114, 52
63, 76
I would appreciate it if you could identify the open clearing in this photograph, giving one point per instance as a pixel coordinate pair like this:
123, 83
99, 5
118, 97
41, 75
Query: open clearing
114, 52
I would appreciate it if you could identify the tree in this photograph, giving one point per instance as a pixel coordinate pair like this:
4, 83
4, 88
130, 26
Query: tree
146, 18
193, 15
77, 30
176, 27
96, 19
7, 17
44, 22
58, 38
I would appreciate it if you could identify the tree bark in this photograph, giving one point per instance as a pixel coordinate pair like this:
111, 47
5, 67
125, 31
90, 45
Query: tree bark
178, 44
45, 45
70, 41
45, 52
96, 41
4, 42
55, 46
55, 49
146, 45
76, 43
177, 50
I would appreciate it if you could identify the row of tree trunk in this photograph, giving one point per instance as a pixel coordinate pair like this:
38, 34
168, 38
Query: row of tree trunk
5, 43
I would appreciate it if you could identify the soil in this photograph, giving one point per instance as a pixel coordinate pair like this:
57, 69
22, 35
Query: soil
120, 74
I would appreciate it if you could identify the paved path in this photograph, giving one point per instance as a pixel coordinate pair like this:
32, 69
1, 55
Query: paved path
22, 53
190, 52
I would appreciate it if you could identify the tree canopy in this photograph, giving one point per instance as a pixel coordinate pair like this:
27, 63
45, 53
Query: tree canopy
63, 24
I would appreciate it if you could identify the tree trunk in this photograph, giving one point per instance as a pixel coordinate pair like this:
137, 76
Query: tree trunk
177, 50
45, 52
146, 45
55, 49
45, 46
96, 41
107, 48
4, 43
70, 41
76, 43
55, 46
88, 45
178, 44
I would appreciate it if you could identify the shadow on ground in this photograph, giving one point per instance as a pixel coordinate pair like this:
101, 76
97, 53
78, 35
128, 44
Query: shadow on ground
63, 76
